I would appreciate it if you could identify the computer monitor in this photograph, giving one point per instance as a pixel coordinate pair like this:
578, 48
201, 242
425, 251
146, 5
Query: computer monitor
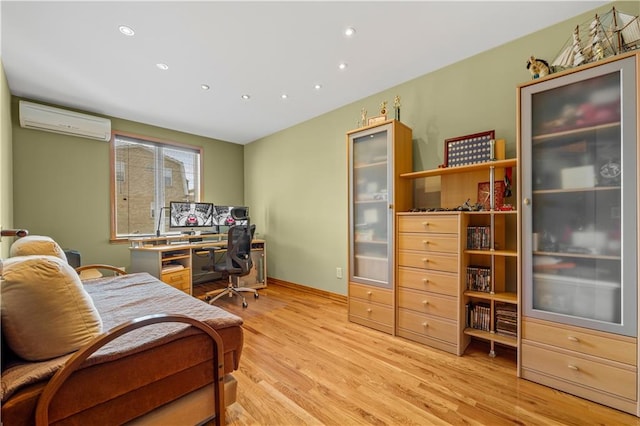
185, 214
224, 216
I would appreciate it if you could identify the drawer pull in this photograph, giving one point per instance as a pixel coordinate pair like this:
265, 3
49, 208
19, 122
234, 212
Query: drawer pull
573, 339
573, 367
425, 302
425, 224
425, 260
425, 280
425, 242
425, 324
369, 293
369, 310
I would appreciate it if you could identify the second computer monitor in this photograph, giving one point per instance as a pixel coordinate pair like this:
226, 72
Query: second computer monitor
224, 215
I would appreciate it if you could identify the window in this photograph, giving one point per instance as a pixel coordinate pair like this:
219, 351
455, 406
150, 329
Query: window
146, 176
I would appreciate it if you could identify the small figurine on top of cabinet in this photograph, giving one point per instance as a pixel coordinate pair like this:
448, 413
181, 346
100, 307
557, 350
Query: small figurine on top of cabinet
396, 106
538, 67
383, 108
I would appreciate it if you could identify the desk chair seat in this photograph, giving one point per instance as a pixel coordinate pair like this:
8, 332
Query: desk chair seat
237, 263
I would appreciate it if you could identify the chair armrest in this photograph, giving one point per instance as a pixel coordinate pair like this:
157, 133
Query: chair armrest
14, 233
93, 271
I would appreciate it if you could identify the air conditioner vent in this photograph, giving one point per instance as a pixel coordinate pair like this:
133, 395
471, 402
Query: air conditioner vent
57, 120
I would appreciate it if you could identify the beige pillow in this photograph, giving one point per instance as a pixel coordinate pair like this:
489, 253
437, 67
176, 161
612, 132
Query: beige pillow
36, 244
46, 312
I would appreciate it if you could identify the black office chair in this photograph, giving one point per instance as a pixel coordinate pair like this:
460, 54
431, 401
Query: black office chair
237, 263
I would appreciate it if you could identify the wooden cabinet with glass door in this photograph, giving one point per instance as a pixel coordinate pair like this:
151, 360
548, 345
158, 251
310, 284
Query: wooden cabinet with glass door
579, 144
377, 155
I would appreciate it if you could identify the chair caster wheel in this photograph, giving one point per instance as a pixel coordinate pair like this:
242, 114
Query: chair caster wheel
245, 304
256, 295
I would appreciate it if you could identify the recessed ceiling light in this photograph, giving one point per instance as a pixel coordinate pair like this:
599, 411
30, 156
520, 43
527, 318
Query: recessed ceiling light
284, 96
245, 97
342, 66
128, 31
205, 87
318, 86
163, 67
349, 31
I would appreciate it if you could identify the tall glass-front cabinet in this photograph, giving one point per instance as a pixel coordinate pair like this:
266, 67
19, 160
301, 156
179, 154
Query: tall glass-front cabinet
579, 164
377, 155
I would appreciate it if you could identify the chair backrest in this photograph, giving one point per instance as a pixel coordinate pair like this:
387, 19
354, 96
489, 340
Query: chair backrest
239, 239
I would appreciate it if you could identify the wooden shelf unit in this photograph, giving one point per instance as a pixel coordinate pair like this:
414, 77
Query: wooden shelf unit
457, 185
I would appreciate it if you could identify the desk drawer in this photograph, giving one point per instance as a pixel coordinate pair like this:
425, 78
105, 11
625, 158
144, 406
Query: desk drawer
427, 326
429, 242
178, 279
438, 262
432, 281
429, 223
574, 368
428, 303
615, 348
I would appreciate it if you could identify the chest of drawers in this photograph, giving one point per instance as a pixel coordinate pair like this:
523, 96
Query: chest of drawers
428, 281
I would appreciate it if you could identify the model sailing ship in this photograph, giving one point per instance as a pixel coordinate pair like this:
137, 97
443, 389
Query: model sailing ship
606, 35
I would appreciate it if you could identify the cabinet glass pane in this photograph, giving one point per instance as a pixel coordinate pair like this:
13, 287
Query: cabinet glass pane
576, 173
370, 214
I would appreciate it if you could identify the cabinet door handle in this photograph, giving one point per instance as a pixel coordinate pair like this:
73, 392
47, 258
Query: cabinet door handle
573, 367
573, 339
526, 201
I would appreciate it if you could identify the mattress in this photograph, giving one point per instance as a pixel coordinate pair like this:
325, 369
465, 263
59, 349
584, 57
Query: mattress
135, 373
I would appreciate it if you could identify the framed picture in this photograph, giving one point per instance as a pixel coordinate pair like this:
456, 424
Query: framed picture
469, 149
484, 194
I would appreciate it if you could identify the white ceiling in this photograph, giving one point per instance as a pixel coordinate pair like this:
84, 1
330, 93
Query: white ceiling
72, 54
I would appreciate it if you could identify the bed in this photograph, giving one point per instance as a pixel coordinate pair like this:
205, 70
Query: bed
162, 369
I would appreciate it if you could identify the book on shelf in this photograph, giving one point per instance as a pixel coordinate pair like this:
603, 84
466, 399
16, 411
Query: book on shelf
478, 278
478, 237
506, 319
479, 316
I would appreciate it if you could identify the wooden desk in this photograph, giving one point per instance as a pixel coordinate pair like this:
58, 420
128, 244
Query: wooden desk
171, 259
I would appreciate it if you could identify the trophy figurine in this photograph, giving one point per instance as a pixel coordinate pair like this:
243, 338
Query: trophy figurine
363, 116
396, 106
383, 108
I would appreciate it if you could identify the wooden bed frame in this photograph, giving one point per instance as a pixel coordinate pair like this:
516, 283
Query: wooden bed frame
59, 379
181, 374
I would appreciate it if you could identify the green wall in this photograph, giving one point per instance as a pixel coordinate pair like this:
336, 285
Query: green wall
297, 178
61, 184
295, 181
6, 162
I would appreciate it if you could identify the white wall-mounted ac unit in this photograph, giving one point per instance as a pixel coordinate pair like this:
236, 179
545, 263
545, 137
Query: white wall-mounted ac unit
57, 120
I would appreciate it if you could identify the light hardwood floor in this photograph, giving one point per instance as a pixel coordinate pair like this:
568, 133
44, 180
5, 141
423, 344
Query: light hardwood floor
303, 363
